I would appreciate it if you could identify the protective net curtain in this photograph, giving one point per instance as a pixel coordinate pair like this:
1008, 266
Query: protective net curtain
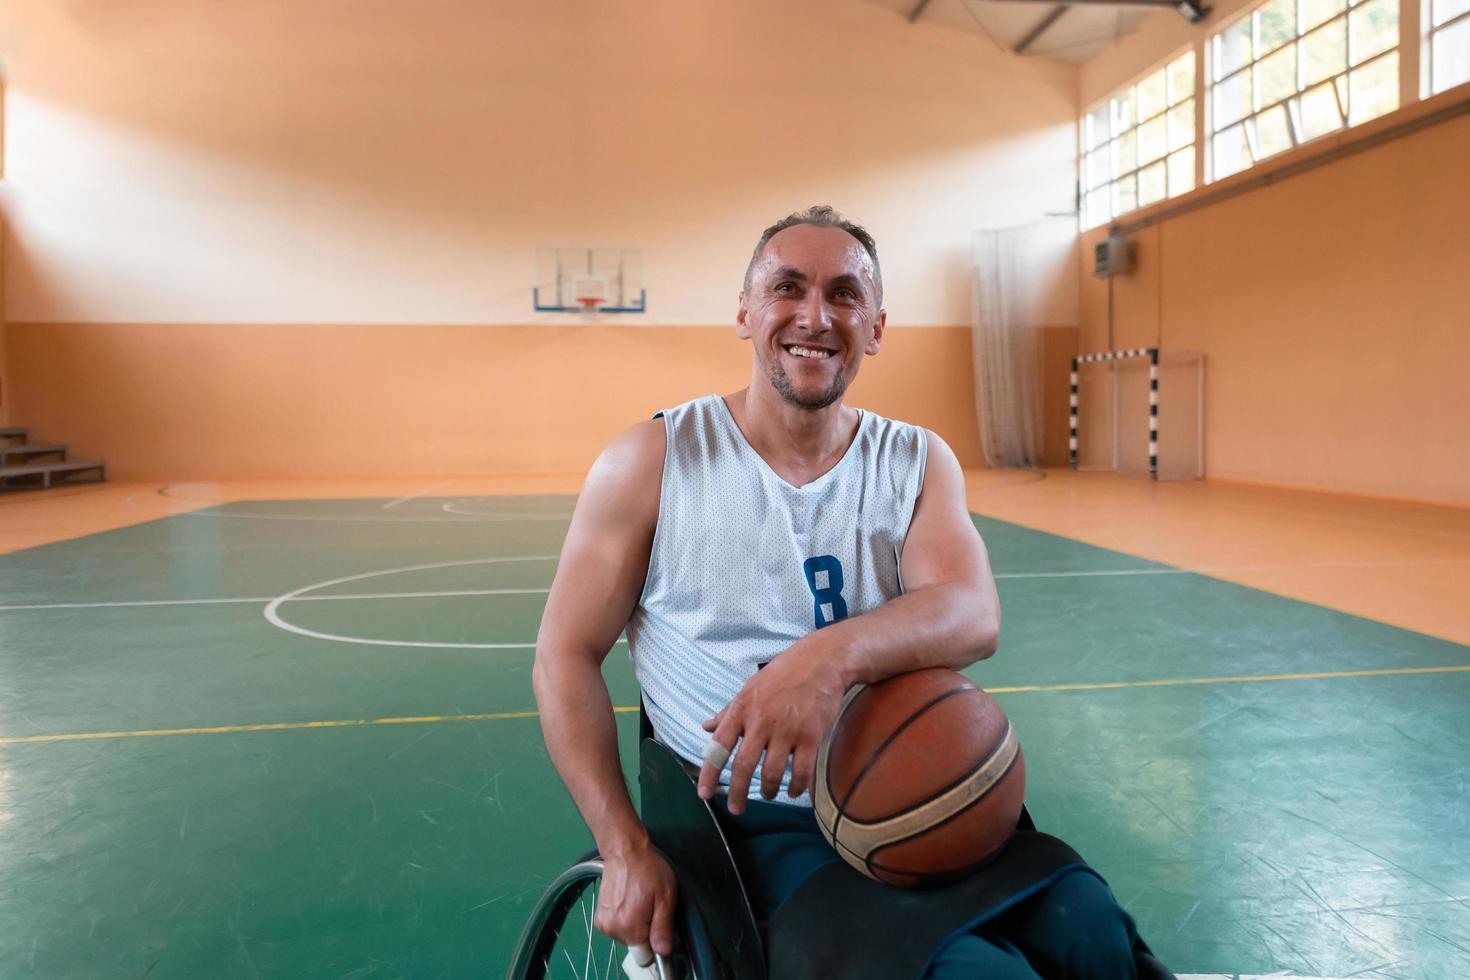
1006, 303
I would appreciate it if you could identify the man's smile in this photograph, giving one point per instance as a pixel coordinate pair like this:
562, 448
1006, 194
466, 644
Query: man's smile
817, 353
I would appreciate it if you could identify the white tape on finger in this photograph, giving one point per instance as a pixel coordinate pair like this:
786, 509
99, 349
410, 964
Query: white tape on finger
637, 968
716, 755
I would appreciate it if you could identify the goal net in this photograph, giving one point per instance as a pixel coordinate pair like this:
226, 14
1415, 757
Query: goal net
1139, 411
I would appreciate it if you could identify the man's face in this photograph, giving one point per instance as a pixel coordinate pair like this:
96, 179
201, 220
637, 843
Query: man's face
811, 312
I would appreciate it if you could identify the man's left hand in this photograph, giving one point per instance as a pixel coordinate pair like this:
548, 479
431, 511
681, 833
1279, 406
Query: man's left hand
784, 711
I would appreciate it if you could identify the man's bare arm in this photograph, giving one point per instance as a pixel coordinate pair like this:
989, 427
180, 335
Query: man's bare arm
604, 562
948, 616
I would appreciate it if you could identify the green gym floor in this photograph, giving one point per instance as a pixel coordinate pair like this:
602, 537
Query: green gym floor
296, 739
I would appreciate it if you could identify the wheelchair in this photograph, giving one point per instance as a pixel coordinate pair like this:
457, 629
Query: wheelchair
716, 937
716, 933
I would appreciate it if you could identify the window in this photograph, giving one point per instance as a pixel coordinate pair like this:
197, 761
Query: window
1293, 70
1138, 146
1447, 45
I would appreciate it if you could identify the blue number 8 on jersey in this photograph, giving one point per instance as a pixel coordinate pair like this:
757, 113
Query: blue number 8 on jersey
824, 578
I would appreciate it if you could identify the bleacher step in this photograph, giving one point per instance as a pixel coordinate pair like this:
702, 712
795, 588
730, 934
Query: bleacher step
42, 475
7, 453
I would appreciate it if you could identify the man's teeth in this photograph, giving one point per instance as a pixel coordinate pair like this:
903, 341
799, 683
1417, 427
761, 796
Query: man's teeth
808, 352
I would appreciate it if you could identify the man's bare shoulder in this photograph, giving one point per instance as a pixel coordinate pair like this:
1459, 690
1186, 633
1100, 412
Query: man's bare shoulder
637, 453
626, 477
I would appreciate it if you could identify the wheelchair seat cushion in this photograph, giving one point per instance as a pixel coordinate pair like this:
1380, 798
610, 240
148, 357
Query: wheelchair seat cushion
823, 919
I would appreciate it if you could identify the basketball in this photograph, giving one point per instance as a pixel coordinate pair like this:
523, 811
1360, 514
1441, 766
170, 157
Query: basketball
921, 780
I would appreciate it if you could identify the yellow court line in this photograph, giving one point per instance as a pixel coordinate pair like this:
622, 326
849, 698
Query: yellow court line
507, 715
284, 726
1241, 679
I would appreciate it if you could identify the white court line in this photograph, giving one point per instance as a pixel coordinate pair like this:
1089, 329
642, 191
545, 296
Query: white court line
273, 615
469, 593
459, 517
450, 508
249, 600
209, 512
1211, 570
385, 519
417, 495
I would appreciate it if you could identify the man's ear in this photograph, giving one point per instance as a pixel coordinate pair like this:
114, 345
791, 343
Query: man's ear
877, 339
742, 323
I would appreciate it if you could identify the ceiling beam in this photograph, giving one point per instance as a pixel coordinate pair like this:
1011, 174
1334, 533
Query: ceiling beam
1042, 26
918, 10
1194, 11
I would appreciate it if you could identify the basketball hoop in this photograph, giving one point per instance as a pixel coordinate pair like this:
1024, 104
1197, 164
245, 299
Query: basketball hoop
589, 292
590, 281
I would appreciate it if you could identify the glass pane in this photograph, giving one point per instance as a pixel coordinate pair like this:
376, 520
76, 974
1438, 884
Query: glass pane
1181, 172
1231, 153
1181, 125
1122, 112
1317, 112
1233, 99
1152, 140
1125, 195
1324, 53
1151, 95
1276, 76
1374, 89
1125, 153
1233, 48
1374, 28
1315, 12
1449, 9
1097, 127
1096, 173
1342, 92
1181, 78
1275, 25
1269, 133
1452, 56
1097, 207
1151, 184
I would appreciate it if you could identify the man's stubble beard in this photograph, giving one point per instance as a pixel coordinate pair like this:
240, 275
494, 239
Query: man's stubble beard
781, 381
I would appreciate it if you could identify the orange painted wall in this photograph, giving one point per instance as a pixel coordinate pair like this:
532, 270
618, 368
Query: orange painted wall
228, 400
1331, 308
193, 189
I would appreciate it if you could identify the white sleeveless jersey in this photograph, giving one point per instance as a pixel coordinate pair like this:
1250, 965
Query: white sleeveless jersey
743, 564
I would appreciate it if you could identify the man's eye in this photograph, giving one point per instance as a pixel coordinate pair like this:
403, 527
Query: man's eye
785, 287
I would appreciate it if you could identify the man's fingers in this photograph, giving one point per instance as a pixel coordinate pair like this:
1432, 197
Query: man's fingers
725, 738
715, 756
802, 765
773, 767
661, 930
747, 757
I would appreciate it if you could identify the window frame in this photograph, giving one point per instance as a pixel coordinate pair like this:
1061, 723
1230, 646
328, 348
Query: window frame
1172, 102
1426, 49
1338, 83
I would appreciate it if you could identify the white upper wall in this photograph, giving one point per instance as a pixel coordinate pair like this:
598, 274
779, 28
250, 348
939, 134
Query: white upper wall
379, 161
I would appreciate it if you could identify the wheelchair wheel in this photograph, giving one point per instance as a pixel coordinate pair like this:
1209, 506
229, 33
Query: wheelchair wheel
559, 942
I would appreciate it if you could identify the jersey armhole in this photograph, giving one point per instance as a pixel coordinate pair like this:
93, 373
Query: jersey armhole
922, 468
658, 524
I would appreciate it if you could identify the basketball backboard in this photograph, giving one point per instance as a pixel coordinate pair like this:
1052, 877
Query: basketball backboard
589, 279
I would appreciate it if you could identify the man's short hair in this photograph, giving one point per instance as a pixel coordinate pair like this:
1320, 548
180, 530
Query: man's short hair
823, 216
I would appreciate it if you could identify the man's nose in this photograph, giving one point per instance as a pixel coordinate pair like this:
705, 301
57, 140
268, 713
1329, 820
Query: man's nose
815, 313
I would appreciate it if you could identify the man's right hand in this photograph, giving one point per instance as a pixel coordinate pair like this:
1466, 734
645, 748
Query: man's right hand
635, 905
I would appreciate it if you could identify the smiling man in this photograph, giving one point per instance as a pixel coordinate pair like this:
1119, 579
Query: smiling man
751, 545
